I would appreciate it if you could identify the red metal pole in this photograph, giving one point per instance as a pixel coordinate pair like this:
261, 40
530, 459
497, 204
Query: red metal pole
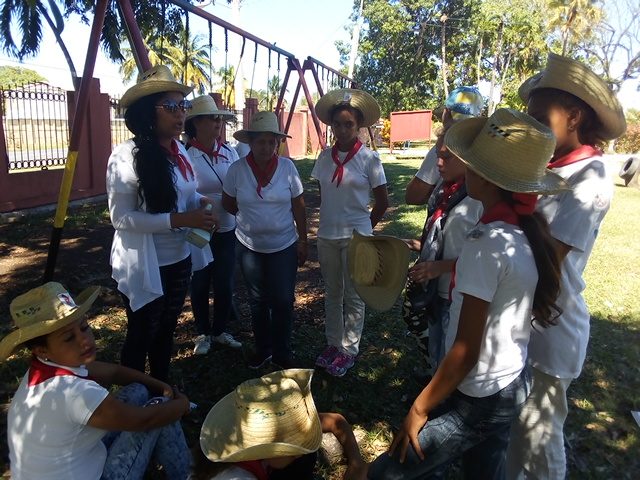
283, 90
307, 65
316, 122
135, 37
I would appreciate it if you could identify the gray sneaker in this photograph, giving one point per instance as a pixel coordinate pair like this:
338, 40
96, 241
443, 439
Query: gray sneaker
203, 344
226, 339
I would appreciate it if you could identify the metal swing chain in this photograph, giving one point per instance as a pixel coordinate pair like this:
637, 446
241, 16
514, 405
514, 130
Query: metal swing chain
227, 93
210, 57
255, 60
268, 79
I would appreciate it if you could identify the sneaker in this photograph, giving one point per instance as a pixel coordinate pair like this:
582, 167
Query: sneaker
341, 364
203, 344
258, 360
226, 339
327, 357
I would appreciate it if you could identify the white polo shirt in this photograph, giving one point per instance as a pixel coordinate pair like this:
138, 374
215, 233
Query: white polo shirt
428, 171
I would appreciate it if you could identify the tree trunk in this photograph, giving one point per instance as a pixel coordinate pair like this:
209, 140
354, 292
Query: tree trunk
67, 56
443, 47
494, 70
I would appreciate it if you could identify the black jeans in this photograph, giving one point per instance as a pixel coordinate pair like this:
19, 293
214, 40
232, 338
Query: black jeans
150, 328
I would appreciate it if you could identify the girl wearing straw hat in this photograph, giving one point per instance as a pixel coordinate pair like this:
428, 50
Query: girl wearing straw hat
264, 192
507, 271
151, 187
583, 113
61, 415
347, 173
211, 159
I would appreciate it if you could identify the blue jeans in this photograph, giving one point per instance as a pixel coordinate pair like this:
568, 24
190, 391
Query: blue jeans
271, 281
218, 274
129, 453
474, 429
438, 326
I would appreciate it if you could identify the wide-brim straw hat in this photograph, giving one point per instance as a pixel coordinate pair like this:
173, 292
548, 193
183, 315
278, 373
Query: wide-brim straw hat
262, 122
43, 310
267, 417
378, 268
155, 80
358, 99
510, 149
574, 77
206, 105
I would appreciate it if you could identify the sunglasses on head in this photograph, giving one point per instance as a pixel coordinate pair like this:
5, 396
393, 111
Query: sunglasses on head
172, 106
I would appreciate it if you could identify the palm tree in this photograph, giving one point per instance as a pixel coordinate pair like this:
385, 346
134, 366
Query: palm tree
227, 78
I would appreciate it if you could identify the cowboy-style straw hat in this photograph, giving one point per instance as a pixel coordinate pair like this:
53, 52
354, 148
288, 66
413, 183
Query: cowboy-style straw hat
358, 99
206, 105
155, 80
510, 149
268, 417
43, 310
574, 77
378, 267
262, 122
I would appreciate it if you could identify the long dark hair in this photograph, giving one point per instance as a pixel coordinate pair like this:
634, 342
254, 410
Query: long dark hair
156, 175
536, 229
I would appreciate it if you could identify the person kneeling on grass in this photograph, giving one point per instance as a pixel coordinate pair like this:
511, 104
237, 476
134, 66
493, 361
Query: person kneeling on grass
61, 415
268, 428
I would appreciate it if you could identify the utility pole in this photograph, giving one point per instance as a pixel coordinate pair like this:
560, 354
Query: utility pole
355, 40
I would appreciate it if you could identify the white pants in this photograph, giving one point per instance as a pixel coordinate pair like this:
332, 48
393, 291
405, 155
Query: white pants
536, 445
344, 309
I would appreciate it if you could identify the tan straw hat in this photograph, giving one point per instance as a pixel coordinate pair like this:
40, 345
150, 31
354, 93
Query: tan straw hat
262, 122
206, 105
267, 417
43, 310
155, 80
574, 77
358, 99
510, 149
378, 267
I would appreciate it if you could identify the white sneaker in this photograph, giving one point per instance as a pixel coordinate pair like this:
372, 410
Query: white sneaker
203, 344
227, 339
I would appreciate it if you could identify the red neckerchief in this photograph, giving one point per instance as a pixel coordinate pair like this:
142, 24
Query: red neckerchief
215, 154
339, 171
263, 177
580, 153
449, 189
255, 467
182, 163
40, 372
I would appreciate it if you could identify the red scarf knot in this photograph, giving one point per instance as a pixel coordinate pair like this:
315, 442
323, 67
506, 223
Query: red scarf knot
214, 154
449, 188
40, 372
263, 176
180, 160
339, 171
524, 203
580, 153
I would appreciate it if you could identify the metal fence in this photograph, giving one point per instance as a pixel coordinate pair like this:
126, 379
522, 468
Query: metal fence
36, 126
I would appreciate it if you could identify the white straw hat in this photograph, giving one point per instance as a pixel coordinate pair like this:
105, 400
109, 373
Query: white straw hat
268, 417
574, 77
358, 99
262, 122
510, 149
206, 105
378, 267
43, 310
155, 80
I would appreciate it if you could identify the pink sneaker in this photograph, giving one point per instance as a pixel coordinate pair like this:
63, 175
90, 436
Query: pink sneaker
341, 364
327, 356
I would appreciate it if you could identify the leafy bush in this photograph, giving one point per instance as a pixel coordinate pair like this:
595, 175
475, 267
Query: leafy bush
630, 141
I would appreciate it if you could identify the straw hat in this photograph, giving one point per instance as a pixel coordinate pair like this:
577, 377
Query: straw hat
358, 99
206, 105
262, 122
43, 310
155, 80
510, 149
378, 267
574, 77
268, 417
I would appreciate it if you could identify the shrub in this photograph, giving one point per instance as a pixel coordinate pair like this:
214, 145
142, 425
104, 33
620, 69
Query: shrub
630, 141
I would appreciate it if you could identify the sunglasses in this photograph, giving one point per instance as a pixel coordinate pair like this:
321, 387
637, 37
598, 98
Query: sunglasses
172, 106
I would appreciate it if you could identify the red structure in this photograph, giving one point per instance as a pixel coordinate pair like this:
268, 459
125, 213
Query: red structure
410, 126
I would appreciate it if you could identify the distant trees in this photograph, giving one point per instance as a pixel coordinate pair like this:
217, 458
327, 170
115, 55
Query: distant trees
11, 76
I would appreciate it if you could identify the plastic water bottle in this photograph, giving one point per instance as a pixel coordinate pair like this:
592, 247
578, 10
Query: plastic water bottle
198, 236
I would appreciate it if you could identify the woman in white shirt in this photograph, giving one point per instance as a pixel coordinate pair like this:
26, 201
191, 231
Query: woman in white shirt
264, 191
347, 173
151, 188
211, 159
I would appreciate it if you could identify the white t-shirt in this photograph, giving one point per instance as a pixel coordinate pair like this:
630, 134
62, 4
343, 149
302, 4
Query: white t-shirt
210, 176
460, 220
266, 224
49, 438
345, 208
428, 171
496, 265
574, 218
